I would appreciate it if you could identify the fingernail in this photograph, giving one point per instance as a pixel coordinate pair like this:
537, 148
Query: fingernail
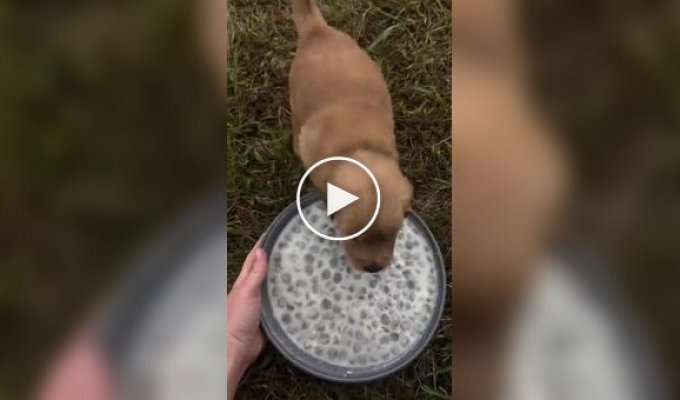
259, 254
260, 263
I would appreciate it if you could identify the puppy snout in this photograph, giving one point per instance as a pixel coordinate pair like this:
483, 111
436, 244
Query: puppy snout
373, 268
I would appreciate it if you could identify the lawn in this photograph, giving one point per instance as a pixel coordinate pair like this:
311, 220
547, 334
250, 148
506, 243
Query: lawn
411, 40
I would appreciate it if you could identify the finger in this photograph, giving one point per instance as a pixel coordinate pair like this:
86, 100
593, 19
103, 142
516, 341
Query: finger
247, 264
259, 242
258, 271
245, 269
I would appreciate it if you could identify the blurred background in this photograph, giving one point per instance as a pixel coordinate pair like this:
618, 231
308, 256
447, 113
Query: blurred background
607, 74
111, 123
574, 107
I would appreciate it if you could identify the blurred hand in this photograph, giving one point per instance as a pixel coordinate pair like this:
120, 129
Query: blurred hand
80, 372
244, 303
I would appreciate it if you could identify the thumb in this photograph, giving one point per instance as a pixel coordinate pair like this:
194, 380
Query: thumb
258, 270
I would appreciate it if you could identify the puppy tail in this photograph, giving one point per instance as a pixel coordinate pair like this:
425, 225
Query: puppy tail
307, 16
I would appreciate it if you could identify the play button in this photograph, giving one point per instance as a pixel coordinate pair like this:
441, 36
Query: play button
337, 199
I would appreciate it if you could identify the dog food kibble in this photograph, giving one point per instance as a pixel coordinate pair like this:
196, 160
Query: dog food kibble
344, 316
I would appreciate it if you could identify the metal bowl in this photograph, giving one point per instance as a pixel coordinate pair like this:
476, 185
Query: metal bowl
320, 368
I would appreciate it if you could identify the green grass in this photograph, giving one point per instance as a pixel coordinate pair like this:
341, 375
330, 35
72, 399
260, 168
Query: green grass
411, 40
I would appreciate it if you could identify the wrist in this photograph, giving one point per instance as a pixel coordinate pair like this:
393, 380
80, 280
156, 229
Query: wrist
235, 369
236, 356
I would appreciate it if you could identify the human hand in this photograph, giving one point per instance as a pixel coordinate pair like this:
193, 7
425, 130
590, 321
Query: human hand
244, 303
80, 371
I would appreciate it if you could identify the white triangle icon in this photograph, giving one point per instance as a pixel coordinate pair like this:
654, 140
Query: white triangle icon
337, 199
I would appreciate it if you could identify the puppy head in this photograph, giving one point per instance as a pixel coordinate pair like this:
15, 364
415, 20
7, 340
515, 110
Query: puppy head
372, 251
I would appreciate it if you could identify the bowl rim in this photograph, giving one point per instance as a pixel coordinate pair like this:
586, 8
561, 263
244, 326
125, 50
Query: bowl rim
290, 350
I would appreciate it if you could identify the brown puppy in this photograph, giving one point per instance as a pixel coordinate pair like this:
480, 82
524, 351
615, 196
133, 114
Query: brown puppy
341, 107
